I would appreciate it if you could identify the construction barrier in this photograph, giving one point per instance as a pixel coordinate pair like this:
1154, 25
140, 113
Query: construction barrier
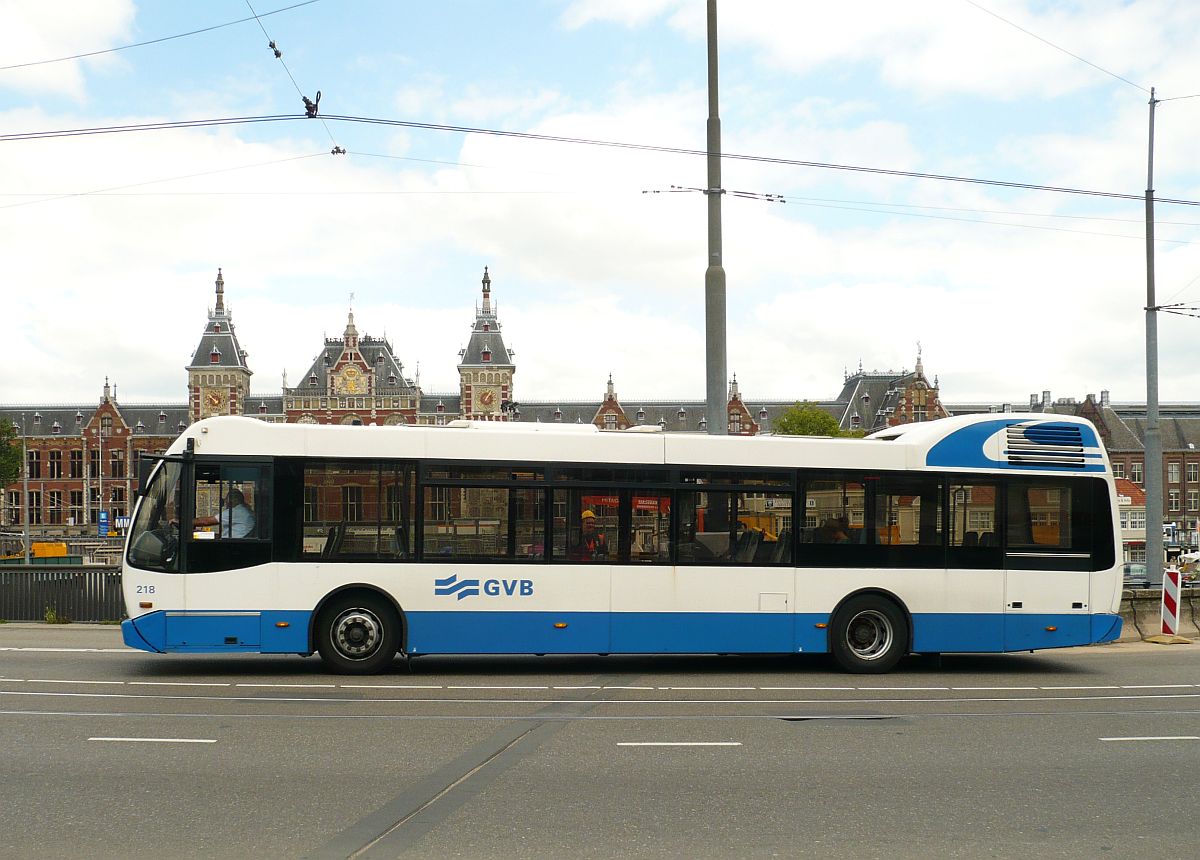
1141, 613
1170, 603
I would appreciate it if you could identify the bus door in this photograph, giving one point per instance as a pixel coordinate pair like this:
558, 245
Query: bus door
1048, 558
226, 549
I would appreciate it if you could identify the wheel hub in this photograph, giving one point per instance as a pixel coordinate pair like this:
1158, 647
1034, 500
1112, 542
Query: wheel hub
869, 635
357, 633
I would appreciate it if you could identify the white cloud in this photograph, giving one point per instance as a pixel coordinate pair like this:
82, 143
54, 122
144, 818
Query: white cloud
35, 32
593, 276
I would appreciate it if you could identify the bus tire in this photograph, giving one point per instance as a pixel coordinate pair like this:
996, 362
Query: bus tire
868, 635
358, 634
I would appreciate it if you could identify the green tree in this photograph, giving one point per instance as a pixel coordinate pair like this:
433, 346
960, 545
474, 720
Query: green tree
10, 453
808, 419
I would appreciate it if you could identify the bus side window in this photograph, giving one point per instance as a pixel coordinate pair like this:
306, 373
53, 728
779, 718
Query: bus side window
973, 515
834, 511
231, 502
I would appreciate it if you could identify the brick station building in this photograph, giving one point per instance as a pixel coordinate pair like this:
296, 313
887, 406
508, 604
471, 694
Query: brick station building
82, 457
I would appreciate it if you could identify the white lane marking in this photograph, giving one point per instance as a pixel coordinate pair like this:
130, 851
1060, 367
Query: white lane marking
78, 650
1081, 688
994, 689
292, 686
687, 702
69, 681
179, 684
13, 680
902, 689
1156, 686
390, 686
1163, 738
584, 687
707, 688
813, 689
628, 688
680, 744
498, 687
158, 740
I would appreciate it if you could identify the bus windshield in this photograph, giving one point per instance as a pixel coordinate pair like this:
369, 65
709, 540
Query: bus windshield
154, 538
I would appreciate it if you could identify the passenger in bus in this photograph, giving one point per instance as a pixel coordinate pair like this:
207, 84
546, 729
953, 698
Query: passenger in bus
832, 531
592, 544
236, 519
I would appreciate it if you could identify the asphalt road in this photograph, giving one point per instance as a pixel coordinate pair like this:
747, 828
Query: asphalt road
106, 752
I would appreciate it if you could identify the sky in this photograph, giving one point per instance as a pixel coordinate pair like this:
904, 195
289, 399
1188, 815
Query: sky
112, 242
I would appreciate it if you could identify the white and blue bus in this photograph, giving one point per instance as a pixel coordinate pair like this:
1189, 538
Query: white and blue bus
973, 534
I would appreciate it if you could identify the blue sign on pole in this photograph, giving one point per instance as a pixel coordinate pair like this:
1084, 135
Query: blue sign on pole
103, 526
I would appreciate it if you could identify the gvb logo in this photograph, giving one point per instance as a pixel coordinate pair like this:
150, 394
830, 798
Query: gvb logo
453, 585
491, 587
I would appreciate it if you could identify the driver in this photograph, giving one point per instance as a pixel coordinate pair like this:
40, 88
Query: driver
236, 519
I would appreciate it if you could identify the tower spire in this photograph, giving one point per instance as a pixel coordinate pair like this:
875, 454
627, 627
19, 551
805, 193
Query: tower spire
220, 309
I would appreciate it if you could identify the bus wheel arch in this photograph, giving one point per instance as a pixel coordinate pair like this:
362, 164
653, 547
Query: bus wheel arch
870, 631
358, 630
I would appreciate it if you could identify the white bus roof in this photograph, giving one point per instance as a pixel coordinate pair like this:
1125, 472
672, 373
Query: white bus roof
1008, 441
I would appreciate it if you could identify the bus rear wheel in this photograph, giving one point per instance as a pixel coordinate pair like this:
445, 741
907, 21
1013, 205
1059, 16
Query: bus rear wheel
868, 635
358, 635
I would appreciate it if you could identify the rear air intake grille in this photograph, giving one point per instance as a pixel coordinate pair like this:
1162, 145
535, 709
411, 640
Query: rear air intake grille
1045, 445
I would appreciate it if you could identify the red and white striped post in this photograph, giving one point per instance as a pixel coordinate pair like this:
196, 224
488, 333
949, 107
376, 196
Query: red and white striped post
1170, 602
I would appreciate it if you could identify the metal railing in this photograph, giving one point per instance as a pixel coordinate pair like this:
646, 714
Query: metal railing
67, 593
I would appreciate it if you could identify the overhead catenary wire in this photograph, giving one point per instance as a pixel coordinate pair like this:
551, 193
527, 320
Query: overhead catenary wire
596, 142
155, 41
100, 192
1031, 34
676, 150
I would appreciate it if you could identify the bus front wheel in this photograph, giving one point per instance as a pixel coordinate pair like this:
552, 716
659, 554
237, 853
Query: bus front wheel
868, 635
358, 634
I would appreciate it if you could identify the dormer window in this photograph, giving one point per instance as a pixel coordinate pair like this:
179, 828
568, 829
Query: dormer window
262, 408
162, 417
391, 379
681, 414
762, 414
441, 407
557, 414
312, 381
56, 428
487, 327
214, 357
182, 426
78, 419
217, 328
641, 415
37, 418
486, 355
139, 427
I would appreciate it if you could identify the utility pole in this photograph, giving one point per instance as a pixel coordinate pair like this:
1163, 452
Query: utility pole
1153, 445
714, 275
25, 489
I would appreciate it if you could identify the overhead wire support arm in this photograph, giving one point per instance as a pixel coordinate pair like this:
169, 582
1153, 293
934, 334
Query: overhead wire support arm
749, 195
310, 105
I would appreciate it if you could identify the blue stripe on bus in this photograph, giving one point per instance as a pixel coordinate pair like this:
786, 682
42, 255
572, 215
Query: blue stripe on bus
964, 447
213, 632
617, 633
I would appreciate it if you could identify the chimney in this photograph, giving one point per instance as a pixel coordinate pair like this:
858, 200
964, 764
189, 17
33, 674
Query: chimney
1104, 398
